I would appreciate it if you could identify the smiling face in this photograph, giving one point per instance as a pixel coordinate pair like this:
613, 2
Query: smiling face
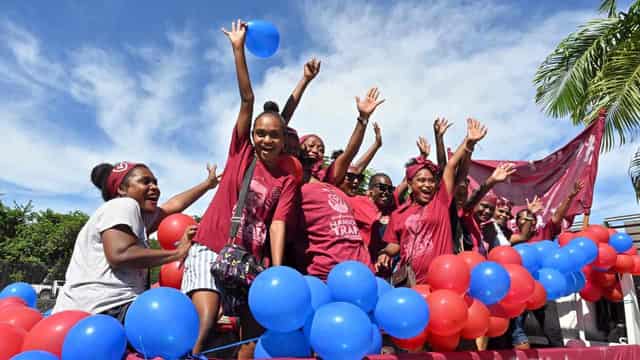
484, 211
268, 137
351, 183
142, 186
423, 186
313, 147
381, 192
502, 214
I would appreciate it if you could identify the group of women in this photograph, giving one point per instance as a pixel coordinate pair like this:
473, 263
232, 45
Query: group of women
311, 222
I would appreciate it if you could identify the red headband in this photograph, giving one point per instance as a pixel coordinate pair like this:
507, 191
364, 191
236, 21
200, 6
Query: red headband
118, 173
418, 164
491, 199
504, 202
304, 138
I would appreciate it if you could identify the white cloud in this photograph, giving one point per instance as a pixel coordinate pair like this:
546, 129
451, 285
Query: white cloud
442, 58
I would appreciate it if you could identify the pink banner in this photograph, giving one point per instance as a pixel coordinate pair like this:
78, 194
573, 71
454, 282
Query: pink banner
551, 178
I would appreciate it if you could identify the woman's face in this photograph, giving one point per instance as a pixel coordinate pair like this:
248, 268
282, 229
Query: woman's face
502, 214
423, 186
313, 148
268, 138
483, 212
142, 186
351, 183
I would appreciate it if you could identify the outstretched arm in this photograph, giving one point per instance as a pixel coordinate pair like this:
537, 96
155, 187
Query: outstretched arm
311, 69
475, 132
526, 233
364, 161
237, 36
566, 203
500, 174
366, 107
440, 127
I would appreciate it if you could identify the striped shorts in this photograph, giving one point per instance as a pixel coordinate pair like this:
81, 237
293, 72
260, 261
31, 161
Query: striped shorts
197, 270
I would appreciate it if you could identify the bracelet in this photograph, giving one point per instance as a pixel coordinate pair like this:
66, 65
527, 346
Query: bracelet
363, 121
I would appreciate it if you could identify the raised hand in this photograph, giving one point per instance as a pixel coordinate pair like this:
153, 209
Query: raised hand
212, 178
577, 187
475, 130
376, 130
238, 33
311, 69
535, 206
423, 146
440, 126
502, 172
184, 244
369, 103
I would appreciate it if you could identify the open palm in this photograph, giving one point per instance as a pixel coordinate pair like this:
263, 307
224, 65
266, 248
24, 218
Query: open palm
368, 104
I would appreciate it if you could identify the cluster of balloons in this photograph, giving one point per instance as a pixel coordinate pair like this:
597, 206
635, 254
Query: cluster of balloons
341, 318
160, 322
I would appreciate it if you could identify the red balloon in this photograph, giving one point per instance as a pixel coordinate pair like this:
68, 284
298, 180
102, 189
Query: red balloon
505, 255
12, 300
591, 292
423, 289
587, 270
507, 310
292, 166
477, 320
603, 279
566, 237
606, 257
471, 258
538, 298
636, 265
172, 228
414, 343
624, 264
613, 294
20, 316
171, 275
522, 284
633, 250
448, 312
444, 343
497, 326
611, 231
12, 338
597, 233
49, 333
449, 272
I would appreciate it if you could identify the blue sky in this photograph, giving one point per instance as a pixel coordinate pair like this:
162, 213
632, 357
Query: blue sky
87, 82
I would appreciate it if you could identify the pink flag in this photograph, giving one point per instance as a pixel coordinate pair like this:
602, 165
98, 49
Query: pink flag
551, 178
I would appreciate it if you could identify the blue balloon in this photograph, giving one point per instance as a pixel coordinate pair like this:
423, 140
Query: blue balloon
376, 341
544, 247
572, 284
581, 280
576, 257
35, 355
274, 344
588, 249
530, 257
383, 286
263, 38
558, 259
353, 282
22, 290
162, 322
621, 242
490, 282
101, 336
280, 299
553, 281
402, 313
320, 293
340, 330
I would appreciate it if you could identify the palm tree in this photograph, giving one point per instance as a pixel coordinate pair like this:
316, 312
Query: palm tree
596, 67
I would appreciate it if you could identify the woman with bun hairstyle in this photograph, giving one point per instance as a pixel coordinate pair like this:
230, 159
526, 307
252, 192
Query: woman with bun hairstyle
269, 201
111, 255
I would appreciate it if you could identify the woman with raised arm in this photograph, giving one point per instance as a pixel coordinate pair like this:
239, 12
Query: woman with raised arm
111, 256
421, 229
327, 219
355, 173
269, 201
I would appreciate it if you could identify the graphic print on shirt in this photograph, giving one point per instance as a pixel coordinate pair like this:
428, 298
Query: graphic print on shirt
344, 225
415, 246
252, 230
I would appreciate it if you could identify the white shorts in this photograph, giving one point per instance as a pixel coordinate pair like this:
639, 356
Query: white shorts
197, 270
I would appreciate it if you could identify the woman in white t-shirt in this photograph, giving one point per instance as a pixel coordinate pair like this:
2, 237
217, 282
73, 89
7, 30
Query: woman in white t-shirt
111, 256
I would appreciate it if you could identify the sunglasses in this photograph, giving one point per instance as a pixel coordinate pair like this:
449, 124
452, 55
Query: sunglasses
384, 187
353, 176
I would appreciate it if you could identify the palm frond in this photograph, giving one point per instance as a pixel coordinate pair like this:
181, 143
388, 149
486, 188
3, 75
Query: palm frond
608, 7
563, 78
617, 88
634, 173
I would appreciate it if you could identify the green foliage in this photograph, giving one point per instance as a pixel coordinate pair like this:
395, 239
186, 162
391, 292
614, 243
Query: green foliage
597, 67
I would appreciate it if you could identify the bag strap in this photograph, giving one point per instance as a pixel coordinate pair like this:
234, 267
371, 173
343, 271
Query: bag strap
242, 197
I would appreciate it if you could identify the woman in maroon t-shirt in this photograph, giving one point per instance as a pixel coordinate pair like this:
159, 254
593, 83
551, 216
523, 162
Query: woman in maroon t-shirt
421, 229
269, 201
328, 222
